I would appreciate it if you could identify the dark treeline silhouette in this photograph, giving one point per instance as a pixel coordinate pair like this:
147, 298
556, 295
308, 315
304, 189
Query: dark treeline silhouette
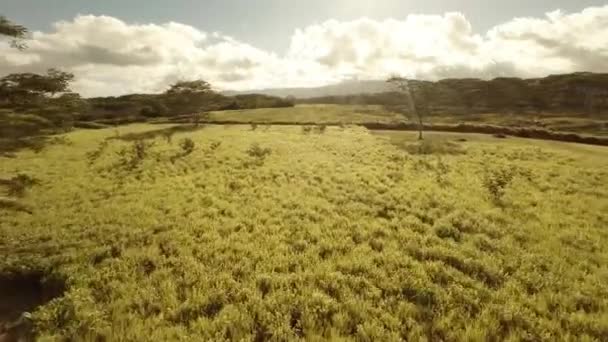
581, 93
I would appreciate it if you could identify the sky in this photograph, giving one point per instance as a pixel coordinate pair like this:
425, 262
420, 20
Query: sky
117, 47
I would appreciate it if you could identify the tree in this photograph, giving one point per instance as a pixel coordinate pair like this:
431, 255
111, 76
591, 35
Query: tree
27, 88
189, 97
64, 109
417, 97
17, 32
189, 87
469, 96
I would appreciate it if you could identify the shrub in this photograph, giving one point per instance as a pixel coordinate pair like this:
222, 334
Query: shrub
200, 118
187, 145
214, 145
496, 181
258, 152
18, 185
148, 112
95, 154
254, 126
130, 158
321, 129
306, 129
430, 146
168, 135
441, 172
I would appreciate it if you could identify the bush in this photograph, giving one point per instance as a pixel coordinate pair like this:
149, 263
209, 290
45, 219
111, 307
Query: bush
214, 145
306, 129
430, 146
130, 158
496, 181
258, 152
148, 112
18, 185
95, 154
187, 145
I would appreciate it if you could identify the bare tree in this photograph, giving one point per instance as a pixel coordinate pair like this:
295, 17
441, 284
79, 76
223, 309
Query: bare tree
403, 85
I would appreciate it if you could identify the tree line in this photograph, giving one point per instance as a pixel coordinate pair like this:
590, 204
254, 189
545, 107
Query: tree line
31, 102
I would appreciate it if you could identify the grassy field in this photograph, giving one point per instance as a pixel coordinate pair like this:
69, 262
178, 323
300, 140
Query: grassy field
319, 114
355, 114
279, 233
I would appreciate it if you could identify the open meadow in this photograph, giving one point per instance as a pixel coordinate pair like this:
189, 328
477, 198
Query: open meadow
168, 233
360, 114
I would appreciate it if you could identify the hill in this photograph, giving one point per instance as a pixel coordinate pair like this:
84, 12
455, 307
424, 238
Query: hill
340, 89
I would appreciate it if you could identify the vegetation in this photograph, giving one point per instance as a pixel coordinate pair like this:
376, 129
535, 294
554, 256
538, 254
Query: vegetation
310, 114
577, 93
277, 235
15, 31
417, 96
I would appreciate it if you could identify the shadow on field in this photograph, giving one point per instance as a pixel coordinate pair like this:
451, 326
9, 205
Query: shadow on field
19, 295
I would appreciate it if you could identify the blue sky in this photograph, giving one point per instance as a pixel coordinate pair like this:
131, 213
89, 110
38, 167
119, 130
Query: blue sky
269, 24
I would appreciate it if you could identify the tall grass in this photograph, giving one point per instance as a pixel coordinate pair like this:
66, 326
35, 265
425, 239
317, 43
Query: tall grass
343, 235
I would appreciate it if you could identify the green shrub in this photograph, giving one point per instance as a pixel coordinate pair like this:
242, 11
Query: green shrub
131, 158
430, 146
496, 181
95, 154
215, 145
148, 111
18, 185
187, 145
168, 135
258, 152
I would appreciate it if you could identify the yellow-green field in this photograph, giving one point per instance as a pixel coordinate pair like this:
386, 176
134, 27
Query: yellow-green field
281, 234
320, 114
356, 114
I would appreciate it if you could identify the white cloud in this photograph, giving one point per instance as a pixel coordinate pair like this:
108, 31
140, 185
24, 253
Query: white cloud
112, 57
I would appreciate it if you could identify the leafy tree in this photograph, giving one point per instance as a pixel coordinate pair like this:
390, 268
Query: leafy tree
30, 88
417, 98
15, 31
189, 87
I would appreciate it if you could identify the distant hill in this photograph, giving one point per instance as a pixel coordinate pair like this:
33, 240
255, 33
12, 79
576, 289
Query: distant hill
340, 89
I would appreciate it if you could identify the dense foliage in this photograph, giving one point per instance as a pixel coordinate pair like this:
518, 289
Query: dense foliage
291, 234
579, 92
15, 31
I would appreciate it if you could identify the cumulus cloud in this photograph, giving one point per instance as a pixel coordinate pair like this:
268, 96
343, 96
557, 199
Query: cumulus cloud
111, 57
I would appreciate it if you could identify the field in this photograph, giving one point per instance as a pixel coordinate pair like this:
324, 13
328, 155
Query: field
356, 114
168, 233
320, 114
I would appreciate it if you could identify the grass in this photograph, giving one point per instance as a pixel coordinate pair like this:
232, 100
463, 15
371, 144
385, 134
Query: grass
280, 234
319, 114
565, 122
357, 114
